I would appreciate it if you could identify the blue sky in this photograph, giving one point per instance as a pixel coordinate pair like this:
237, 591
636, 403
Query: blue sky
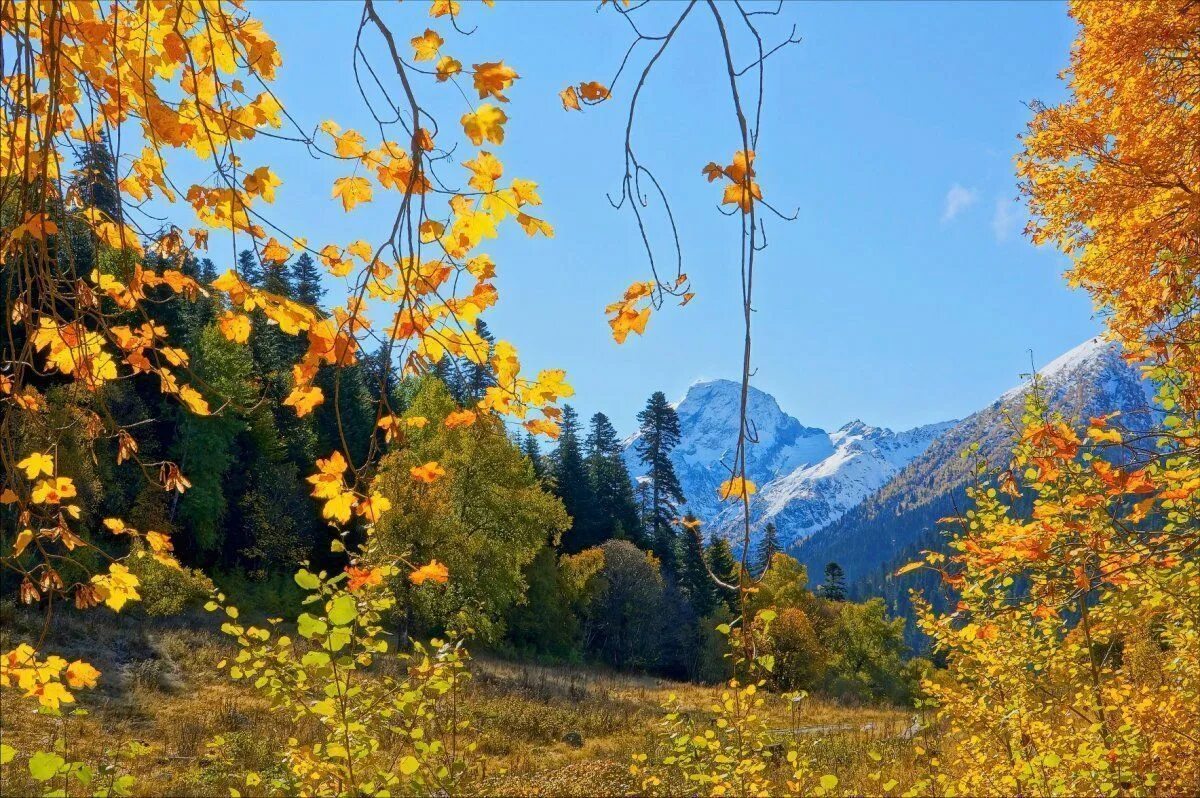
903, 294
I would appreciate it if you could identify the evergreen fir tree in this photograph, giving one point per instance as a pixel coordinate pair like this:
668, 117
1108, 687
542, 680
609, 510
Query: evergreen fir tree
97, 176
531, 449
306, 280
659, 435
478, 377
612, 490
768, 547
678, 635
447, 371
642, 496
724, 567
346, 419
834, 587
248, 267
207, 271
571, 485
694, 580
276, 278
381, 376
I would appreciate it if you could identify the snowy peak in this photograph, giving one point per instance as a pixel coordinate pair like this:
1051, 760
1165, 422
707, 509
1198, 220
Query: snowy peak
708, 422
808, 479
791, 463
813, 496
709, 416
1096, 364
1090, 380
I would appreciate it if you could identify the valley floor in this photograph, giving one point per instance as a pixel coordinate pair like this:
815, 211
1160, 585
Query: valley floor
541, 730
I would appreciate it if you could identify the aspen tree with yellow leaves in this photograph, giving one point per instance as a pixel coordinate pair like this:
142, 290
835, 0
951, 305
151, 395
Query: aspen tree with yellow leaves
192, 80
1072, 658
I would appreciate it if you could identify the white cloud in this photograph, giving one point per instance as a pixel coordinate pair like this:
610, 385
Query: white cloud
1005, 219
958, 199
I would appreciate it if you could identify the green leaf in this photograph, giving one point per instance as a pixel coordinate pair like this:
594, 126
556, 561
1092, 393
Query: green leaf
309, 627
123, 785
43, 765
828, 782
7, 752
338, 639
343, 610
766, 616
409, 765
307, 580
82, 772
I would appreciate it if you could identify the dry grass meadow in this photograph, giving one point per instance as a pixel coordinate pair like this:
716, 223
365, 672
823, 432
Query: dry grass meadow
540, 729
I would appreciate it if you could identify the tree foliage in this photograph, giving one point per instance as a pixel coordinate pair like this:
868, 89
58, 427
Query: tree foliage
466, 497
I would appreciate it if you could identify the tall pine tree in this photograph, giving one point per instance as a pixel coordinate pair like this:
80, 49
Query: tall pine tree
531, 449
694, 580
96, 179
306, 280
478, 377
248, 267
381, 376
659, 434
612, 491
571, 485
724, 567
834, 587
768, 547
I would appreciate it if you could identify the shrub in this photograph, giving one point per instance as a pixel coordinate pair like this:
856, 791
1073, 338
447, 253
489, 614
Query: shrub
168, 590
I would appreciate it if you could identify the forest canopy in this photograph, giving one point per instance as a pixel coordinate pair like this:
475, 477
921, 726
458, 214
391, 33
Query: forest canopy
343, 495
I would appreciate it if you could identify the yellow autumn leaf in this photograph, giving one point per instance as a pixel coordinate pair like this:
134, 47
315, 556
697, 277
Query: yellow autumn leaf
427, 473
349, 144
23, 539
352, 190
338, 508
493, 78
448, 67
117, 587
304, 399
485, 122
736, 488
262, 182
37, 463
234, 326
433, 571
570, 99
81, 674
53, 491
425, 46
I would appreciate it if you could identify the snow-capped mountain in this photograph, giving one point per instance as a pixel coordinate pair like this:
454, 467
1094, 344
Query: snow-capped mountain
860, 494
806, 477
708, 425
812, 496
1090, 380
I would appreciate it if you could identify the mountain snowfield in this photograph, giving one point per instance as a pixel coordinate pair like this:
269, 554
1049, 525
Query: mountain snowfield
806, 477
809, 480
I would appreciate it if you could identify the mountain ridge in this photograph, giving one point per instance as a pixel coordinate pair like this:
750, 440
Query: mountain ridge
806, 476
1091, 379
849, 494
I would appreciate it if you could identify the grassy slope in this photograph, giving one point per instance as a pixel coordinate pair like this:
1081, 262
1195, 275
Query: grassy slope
160, 686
